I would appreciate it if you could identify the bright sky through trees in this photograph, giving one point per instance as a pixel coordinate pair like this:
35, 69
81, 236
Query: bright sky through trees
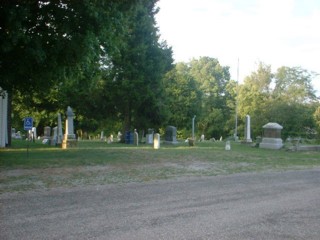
276, 32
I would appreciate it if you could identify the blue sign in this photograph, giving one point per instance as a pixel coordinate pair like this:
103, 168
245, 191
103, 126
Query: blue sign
28, 123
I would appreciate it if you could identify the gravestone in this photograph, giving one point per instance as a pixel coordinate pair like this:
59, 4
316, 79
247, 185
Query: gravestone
271, 136
119, 135
156, 141
171, 135
135, 138
102, 138
149, 136
60, 134
129, 137
54, 138
46, 135
47, 132
202, 138
34, 133
13, 132
228, 146
247, 130
69, 139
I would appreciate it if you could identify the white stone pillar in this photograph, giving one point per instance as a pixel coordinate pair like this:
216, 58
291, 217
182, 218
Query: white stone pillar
247, 133
69, 137
156, 141
69, 125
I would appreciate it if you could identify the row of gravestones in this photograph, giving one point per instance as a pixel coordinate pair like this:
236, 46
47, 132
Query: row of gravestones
271, 139
57, 138
170, 136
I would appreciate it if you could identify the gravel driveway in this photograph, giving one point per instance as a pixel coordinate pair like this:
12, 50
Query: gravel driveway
269, 205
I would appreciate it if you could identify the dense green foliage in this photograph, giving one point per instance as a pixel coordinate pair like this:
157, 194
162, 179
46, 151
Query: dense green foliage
286, 97
105, 60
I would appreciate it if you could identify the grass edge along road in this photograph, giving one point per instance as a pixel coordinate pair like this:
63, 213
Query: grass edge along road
97, 163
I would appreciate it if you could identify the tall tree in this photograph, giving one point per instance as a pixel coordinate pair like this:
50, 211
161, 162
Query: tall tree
46, 43
212, 79
254, 98
136, 83
183, 97
294, 84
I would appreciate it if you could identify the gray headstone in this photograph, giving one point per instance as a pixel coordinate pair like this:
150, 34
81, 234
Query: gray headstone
171, 135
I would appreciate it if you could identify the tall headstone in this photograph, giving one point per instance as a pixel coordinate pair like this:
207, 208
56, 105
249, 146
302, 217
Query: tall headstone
34, 133
135, 138
156, 141
271, 136
247, 130
60, 134
227, 146
149, 136
47, 132
54, 138
102, 138
13, 132
171, 135
46, 135
69, 139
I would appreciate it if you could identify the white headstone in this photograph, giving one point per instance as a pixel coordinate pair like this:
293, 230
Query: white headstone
156, 141
136, 138
247, 130
102, 136
202, 138
69, 124
228, 146
34, 132
69, 137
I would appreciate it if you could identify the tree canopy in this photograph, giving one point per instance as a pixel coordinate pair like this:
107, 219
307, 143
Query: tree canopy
105, 60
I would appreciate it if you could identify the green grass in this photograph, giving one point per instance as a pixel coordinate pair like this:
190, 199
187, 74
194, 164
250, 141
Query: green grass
30, 166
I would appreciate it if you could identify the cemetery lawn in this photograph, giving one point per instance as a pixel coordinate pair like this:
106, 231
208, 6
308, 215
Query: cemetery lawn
34, 166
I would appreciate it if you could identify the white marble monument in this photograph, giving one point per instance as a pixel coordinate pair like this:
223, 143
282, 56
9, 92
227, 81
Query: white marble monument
69, 139
247, 130
156, 141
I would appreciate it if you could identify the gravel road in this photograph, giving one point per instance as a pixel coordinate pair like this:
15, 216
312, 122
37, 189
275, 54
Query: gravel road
269, 205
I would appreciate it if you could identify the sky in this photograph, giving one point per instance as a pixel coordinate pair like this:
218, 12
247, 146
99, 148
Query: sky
275, 32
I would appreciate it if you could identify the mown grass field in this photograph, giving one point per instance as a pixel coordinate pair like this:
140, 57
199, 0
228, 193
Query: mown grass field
33, 166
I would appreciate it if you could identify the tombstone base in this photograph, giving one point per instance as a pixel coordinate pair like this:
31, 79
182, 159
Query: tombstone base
69, 143
271, 143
